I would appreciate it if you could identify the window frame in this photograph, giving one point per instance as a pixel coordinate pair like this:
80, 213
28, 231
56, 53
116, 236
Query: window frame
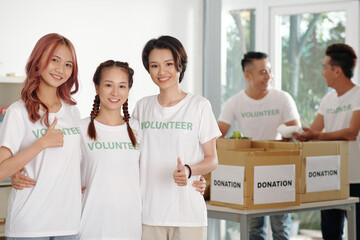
265, 35
351, 9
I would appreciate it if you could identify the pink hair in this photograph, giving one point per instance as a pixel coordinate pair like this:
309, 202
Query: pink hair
33, 72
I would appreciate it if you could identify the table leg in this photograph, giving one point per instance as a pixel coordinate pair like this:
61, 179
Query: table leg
244, 230
351, 217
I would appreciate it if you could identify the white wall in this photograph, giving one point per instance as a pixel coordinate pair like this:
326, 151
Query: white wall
102, 30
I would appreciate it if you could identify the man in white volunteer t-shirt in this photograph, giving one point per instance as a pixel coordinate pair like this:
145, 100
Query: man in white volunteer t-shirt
339, 116
258, 111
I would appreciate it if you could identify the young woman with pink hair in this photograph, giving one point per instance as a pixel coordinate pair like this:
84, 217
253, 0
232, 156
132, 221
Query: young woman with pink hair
41, 133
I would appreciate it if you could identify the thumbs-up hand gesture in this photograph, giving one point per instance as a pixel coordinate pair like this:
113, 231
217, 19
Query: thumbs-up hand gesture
181, 174
53, 137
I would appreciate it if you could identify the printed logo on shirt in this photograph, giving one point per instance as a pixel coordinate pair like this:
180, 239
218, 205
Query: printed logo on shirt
112, 145
264, 113
66, 131
167, 125
338, 109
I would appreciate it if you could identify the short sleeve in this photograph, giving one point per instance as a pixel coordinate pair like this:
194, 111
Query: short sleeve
322, 106
135, 114
356, 106
290, 110
135, 126
12, 130
76, 113
208, 128
227, 115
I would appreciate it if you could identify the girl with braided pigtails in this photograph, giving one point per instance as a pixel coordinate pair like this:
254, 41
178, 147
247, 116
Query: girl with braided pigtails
110, 159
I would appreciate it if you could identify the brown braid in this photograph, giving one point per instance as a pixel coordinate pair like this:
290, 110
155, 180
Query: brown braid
126, 119
93, 114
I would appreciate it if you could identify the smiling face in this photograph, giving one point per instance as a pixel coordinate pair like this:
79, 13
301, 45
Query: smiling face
60, 67
162, 69
113, 89
258, 75
329, 72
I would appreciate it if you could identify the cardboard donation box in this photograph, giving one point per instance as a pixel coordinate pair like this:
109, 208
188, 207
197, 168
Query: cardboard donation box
251, 178
225, 143
324, 167
232, 144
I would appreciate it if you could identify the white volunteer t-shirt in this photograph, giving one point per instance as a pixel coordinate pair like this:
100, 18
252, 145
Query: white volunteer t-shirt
259, 119
53, 206
337, 112
110, 172
169, 133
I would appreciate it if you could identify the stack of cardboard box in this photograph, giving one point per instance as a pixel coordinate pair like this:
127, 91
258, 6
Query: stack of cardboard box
324, 167
265, 174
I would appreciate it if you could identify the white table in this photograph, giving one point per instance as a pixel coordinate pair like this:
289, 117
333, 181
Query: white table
243, 216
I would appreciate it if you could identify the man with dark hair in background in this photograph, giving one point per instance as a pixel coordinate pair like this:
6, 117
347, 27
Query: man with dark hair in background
258, 112
339, 116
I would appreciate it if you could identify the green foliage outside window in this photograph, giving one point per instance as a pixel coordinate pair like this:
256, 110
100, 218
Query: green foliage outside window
240, 37
303, 56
